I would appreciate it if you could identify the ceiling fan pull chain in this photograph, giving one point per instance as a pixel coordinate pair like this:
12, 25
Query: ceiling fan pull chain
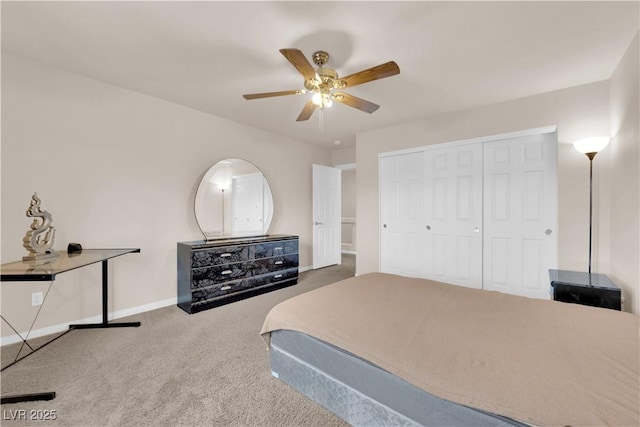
321, 121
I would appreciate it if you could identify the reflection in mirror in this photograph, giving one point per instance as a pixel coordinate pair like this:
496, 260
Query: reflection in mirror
233, 200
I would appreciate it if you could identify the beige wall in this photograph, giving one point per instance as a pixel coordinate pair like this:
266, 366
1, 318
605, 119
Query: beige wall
622, 160
343, 156
117, 168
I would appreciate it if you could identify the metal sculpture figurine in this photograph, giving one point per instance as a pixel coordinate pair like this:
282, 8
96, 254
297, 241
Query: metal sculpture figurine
39, 239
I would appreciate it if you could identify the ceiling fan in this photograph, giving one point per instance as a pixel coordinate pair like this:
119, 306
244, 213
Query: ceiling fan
326, 86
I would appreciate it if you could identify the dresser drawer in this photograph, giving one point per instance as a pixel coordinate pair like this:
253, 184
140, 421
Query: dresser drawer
277, 276
266, 265
221, 255
207, 294
208, 276
270, 249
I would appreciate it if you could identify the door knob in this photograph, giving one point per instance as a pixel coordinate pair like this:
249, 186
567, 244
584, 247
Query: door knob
317, 223
476, 230
428, 227
384, 225
548, 232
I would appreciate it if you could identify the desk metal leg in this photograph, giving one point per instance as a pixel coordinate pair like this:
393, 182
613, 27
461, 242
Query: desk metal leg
24, 340
30, 397
16, 398
105, 309
17, 359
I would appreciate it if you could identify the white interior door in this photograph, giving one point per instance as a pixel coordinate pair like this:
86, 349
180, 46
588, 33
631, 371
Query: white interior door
520, 214
452, 226
247, 203
401, 222
326, 216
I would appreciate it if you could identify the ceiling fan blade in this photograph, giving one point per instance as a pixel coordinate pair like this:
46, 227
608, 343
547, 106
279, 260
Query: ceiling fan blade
381, 71
306, 112
270, 94
355, 102
298, 60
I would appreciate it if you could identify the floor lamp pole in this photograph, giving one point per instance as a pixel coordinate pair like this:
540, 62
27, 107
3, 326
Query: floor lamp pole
591, 147
590, 156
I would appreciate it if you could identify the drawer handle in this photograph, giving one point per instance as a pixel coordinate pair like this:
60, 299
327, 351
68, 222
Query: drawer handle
225, 255
279, 262
277, 276
225, 288
226, 272
279, 248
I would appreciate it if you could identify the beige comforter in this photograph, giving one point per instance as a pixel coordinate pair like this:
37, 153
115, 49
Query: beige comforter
546, 363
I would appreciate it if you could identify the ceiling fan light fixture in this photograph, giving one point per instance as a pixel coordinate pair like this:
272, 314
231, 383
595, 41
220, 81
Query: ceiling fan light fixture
322, 99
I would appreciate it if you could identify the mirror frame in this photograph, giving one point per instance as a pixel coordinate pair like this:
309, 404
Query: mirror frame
218, 183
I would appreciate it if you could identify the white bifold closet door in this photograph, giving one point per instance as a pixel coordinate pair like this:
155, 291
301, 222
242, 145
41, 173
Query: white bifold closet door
453, 215
401, 214
478, 214
520, 214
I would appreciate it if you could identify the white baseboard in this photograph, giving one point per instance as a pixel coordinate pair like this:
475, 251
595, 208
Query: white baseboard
303, 269
12, 339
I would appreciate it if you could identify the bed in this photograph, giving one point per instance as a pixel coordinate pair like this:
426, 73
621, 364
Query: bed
383, 349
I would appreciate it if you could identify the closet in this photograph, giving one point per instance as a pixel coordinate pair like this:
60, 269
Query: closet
479, 213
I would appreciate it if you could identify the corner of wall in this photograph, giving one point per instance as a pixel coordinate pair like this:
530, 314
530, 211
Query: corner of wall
624, 157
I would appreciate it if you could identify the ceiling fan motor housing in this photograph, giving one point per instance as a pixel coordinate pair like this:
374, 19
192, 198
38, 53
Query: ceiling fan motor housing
328, 80
320, 58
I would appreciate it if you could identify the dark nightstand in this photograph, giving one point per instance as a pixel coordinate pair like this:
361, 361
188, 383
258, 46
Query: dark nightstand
576, 287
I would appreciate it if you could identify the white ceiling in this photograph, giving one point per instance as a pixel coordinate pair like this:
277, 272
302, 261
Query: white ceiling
205, 54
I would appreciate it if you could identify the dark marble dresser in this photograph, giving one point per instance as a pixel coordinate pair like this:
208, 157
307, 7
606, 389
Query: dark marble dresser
217, 272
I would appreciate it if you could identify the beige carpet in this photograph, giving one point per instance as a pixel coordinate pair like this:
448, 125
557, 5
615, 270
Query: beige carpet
206, 369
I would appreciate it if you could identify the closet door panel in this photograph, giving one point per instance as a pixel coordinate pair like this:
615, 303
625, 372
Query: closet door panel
497, 265
453, 215
401, 214
520, 214
464, 259
533, 275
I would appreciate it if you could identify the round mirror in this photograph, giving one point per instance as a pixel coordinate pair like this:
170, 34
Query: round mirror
233, 200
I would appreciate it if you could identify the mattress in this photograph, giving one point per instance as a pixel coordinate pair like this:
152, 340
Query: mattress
361, 393
538, 362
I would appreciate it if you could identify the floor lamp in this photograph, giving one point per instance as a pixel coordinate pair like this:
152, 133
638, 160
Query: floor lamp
591, 147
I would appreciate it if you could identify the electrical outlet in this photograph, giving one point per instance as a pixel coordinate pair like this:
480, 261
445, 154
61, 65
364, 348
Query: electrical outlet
36, 298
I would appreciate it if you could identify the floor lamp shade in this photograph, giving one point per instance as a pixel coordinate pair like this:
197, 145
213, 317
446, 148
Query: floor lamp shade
590, 147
